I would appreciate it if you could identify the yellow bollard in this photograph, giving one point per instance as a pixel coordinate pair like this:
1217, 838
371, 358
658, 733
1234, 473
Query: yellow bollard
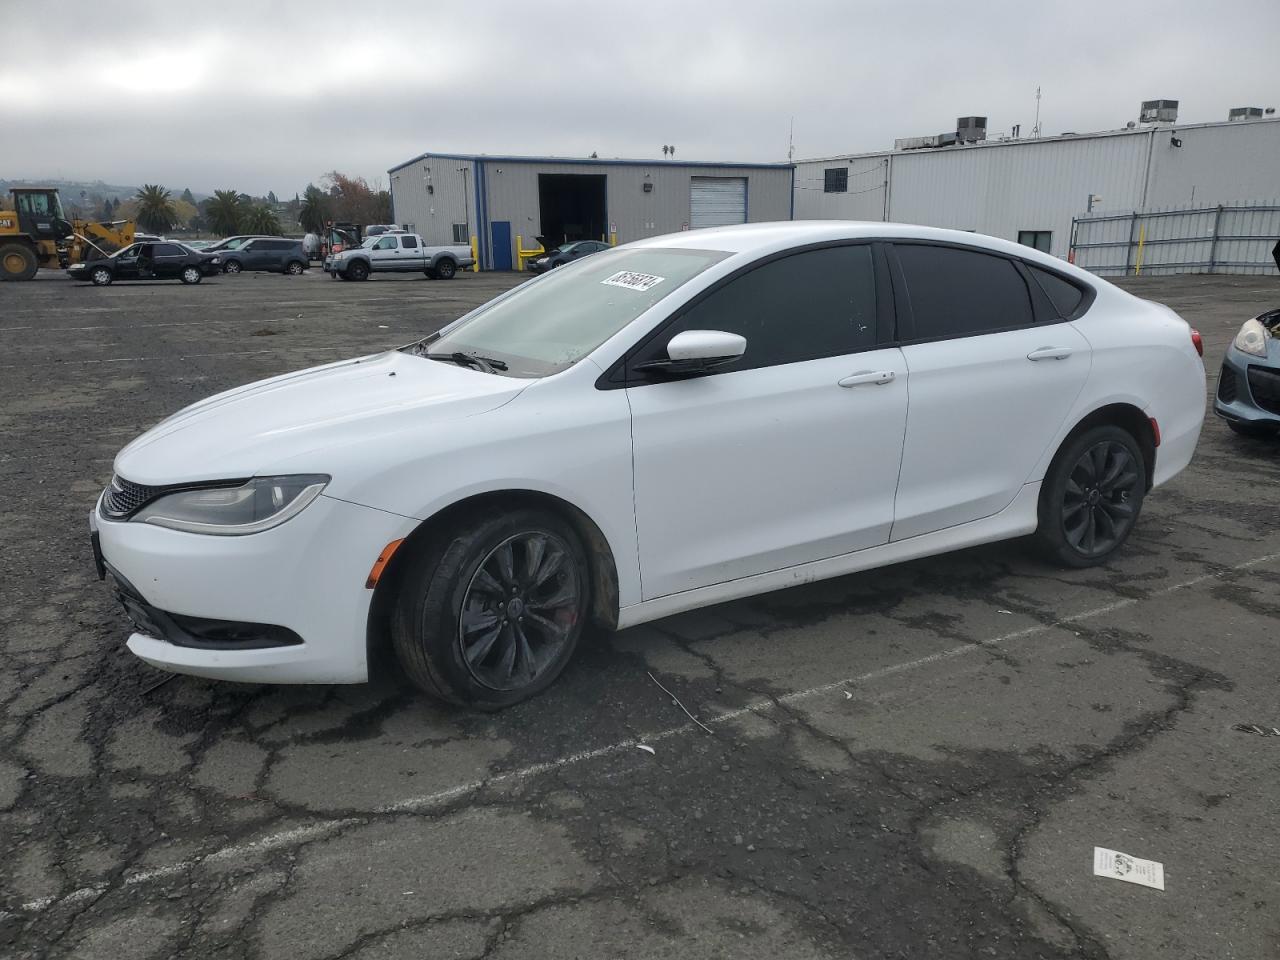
1142, 242
475, 254
613, 239
519, 253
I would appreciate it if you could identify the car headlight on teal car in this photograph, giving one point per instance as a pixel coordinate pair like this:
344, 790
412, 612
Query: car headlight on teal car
259, 504
1252, 338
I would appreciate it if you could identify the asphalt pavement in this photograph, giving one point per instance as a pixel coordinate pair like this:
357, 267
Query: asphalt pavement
913, 762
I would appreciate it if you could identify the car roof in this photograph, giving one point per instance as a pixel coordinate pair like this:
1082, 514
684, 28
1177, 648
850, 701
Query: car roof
759, 239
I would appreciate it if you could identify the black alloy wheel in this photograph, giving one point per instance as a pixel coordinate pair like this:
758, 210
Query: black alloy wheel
357, 271
1097, 507
445, 269
519, 610
1091, 497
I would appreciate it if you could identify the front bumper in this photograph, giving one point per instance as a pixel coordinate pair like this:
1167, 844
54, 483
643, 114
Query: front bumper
288, 605
1248, 389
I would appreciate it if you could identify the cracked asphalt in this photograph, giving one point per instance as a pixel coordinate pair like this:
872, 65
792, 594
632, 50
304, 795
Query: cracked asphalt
912, 762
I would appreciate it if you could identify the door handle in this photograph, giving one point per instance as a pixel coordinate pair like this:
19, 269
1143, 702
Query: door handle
868, 376
1050, 353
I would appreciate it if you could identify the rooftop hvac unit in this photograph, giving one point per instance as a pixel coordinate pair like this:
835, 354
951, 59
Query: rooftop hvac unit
1159, 111
971, 129
1245, 113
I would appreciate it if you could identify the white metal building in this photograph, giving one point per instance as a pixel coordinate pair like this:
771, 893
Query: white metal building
449, 198
1030, 190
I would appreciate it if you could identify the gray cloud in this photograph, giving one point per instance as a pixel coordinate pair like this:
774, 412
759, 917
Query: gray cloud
270, 95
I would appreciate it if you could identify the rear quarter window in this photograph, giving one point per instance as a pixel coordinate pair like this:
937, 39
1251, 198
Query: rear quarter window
1065, 296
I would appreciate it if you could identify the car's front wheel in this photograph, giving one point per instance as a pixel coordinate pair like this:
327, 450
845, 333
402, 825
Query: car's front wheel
357, 271
190, 275
232, 266
101, 277
490, 612
1091, 497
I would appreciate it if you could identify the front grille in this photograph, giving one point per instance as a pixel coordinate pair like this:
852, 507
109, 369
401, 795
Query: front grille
1227, 388
1264, 384
123, 498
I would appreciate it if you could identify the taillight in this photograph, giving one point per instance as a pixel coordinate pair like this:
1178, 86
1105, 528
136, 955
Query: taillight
1197, 341
1155, 431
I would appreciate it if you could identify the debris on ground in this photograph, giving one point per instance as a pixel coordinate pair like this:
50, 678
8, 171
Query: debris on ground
1121, 866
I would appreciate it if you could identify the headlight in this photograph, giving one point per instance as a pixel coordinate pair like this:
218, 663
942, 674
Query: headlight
541, 260
1252, 338
260, 504
216, 260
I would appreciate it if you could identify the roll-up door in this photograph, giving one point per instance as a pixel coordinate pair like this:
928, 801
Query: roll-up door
717, 201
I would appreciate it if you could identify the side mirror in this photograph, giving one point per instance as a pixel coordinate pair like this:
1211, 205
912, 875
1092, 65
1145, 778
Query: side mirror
695, 352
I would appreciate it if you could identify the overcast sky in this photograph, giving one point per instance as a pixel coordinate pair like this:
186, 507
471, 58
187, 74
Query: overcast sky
269, 95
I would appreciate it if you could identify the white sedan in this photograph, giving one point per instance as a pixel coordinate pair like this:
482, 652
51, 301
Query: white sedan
669, 424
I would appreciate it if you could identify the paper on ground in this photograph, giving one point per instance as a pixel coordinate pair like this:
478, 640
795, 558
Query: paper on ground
1121, 866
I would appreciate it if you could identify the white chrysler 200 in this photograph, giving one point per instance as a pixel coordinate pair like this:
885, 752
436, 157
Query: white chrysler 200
670, 424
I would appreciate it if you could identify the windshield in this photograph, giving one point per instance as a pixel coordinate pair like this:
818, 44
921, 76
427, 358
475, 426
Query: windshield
369, 242
551, 323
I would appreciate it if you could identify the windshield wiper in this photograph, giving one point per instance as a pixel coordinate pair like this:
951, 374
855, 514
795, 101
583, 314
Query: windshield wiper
485, 364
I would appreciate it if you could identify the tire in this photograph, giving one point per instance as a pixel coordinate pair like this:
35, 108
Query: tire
17, 262
1091, 497
357, 271
294, 268
460, 573
1254, 431
101, 277
445, 269
191, 275
232, 266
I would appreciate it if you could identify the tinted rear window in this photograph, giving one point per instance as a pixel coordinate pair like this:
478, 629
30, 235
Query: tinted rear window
959, 293
1065, 295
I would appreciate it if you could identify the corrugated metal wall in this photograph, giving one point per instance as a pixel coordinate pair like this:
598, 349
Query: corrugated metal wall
1001, 189
451, 198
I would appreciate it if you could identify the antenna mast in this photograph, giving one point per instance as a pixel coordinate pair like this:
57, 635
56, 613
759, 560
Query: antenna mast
791, 140
1035, 131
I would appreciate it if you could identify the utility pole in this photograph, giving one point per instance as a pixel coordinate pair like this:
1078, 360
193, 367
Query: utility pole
1035, 131
791, 140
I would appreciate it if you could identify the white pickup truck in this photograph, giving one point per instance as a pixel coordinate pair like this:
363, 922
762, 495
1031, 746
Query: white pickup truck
398, 253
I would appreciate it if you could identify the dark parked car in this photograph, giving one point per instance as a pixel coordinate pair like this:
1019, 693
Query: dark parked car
165, 260
566, 253
236, 242
278, 255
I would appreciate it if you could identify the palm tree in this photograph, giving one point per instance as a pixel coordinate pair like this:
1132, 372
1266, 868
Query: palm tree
314, 211
224, 212
155, 209
261, 219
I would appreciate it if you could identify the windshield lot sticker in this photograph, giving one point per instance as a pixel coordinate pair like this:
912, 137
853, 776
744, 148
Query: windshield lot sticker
633, 281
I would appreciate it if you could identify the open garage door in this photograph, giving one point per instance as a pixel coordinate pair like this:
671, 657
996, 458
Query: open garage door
717, 201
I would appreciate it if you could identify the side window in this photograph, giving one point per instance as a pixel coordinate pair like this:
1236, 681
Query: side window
819, 303
460, 233
386, 243
958, 293
1065, 295
167, 250
409, 243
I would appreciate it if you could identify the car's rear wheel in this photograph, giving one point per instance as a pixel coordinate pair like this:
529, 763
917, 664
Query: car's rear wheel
1091, 497
1254, 431
231, 266
295, 268
101, 277
190, 275
357, 271
17, 262
445, 269
490, 612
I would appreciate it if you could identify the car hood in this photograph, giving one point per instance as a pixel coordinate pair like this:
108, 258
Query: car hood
257, 429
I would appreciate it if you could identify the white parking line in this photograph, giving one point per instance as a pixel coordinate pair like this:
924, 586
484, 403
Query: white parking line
284, 838
185, 356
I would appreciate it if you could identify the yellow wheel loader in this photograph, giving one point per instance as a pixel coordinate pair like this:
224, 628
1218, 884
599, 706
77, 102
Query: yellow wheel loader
35, 233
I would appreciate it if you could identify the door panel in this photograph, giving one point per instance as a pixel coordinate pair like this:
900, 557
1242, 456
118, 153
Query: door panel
411, 254
981, 416
747, 472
